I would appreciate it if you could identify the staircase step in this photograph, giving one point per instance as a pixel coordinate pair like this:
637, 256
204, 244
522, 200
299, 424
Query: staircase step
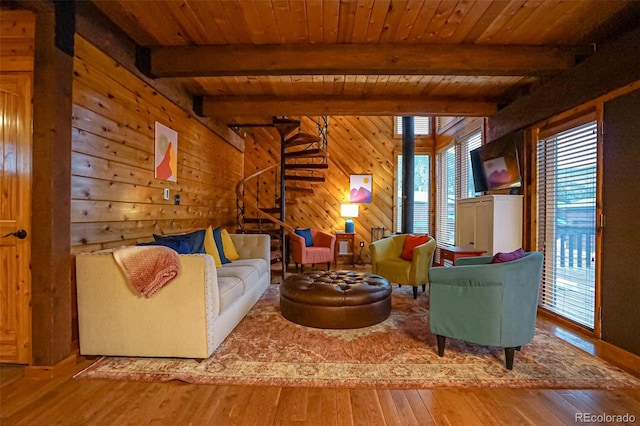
301, 139
284, 126
304, 178
307, 153
317, 166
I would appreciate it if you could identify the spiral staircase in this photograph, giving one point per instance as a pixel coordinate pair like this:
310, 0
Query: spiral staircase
303, 162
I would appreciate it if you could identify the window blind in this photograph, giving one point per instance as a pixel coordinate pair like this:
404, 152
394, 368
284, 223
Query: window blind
421, 126
421, 194
566, 163
446, 196
467, 143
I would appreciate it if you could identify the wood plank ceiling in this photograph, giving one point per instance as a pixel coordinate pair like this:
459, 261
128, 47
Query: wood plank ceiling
259, 58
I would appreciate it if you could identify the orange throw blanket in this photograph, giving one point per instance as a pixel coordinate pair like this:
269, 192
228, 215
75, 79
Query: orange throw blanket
148, 268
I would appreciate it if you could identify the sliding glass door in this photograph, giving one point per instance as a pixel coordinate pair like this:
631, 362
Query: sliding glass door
567, 162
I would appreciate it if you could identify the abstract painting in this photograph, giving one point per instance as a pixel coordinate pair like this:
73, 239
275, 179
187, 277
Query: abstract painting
166, 153
361, 187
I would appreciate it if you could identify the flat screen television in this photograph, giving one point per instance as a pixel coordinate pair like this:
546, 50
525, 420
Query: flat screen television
495, 166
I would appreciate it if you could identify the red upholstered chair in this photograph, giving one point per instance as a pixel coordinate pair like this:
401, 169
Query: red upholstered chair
317, 248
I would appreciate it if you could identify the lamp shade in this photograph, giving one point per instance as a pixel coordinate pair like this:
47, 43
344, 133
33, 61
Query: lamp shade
349, 210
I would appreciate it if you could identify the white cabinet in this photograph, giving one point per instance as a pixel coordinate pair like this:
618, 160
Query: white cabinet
492, 223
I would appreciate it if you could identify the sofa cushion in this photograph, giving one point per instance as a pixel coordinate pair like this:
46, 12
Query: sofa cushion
179, 245
194, 239
306, 234
230, 289
210, 246
260, 265
217, 237
229, 247
246, 273
411, 242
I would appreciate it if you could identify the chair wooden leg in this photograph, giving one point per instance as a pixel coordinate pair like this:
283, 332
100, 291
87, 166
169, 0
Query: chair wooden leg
415, 292
328, 266
508, 355
301, 268
441, 340
424, 288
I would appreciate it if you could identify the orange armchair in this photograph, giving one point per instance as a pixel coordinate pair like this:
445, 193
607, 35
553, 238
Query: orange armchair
318, 249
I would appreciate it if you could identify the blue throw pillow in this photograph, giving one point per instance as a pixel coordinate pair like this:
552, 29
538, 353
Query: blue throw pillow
217, 237
195, 240
181, 246
306, 234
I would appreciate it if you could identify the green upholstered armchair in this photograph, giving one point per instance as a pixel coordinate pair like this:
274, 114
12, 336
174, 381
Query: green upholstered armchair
386, 261
487, 304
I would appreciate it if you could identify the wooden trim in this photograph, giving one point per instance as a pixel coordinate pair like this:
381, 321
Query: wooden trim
585, 341
565, 322
597, 328
361, 59
51, 371
564, 122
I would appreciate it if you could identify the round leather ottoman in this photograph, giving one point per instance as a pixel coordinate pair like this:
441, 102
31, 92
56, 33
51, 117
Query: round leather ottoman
335, 299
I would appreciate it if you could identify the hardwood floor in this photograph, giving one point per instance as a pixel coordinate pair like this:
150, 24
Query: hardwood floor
63, 400
66, 401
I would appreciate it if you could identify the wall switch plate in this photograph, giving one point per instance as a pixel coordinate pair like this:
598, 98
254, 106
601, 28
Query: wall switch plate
176, 199
165, 195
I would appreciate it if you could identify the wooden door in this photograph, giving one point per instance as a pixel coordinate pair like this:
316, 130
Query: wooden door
15, 209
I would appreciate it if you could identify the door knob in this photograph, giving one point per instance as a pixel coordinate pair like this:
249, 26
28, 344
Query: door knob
20, 234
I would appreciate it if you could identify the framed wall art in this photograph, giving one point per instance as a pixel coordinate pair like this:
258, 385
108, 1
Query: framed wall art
360, 189
166, 153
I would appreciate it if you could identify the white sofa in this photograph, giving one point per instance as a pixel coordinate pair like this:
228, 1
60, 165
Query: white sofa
188, 318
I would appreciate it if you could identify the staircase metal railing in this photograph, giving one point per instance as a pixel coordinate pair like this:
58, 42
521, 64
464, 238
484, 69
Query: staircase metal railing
248, 204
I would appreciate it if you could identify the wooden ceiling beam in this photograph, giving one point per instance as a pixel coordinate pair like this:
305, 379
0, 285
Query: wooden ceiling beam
339, 105
357, 59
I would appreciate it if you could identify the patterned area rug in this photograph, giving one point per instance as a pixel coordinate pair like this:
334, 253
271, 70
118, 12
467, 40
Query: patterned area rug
266, 349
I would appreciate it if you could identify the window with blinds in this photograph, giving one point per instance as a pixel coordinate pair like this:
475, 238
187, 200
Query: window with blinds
455, 180
421, 126
466, 144
421, 194
567, 161
446, 196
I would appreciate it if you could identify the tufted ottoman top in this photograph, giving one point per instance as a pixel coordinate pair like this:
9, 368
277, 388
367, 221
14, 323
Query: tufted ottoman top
335, 288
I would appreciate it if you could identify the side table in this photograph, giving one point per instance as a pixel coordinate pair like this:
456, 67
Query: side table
453, 253
345, 252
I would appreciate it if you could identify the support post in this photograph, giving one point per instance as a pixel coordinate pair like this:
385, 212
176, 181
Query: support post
51, 219
408, 151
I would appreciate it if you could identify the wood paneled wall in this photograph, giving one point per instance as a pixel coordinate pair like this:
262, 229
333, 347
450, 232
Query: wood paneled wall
357, 145
115, 199
17, 32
